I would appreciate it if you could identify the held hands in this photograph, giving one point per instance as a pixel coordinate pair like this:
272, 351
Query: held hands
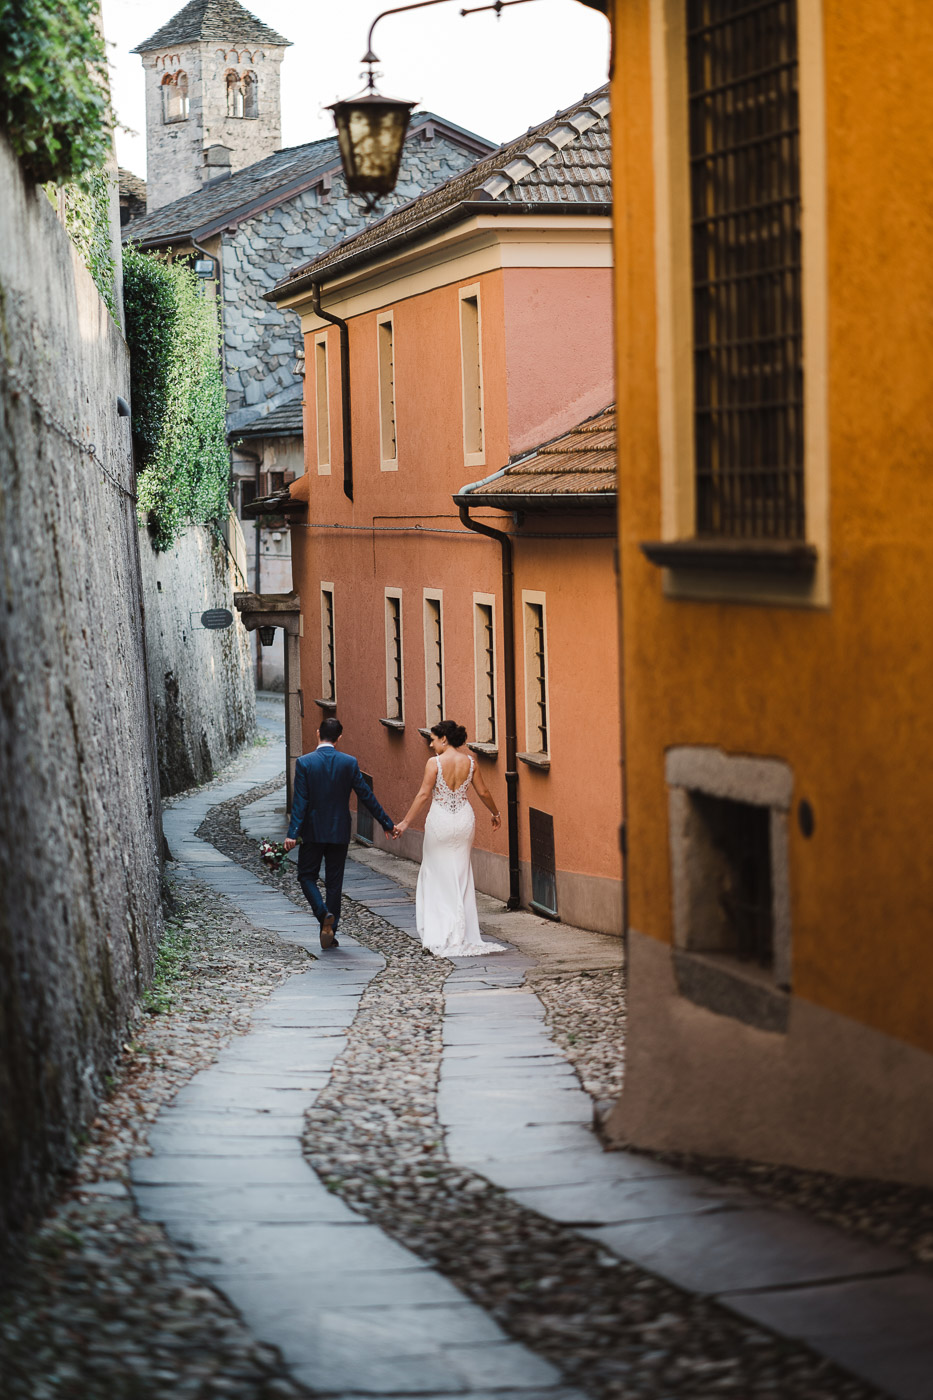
398, 830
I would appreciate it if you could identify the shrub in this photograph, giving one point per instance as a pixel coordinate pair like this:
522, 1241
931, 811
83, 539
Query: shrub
179, 405
53, 87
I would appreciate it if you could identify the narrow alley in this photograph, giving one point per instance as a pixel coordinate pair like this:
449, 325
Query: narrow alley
371, 1172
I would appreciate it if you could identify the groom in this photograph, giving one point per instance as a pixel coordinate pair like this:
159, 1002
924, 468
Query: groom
321, 817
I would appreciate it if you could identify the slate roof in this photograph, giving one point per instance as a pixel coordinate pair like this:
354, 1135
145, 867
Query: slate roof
284, 421
266, 182
212, 19
218, 202
130, 184
578, 468
564, 162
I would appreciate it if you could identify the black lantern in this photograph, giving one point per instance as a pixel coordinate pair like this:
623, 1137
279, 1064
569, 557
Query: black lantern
266, 636
371, 133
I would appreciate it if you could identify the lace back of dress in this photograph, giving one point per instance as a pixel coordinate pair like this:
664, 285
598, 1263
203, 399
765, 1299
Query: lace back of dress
451, 799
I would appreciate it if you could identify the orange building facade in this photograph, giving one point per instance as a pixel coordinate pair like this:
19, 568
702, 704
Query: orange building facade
477, 326
775, 370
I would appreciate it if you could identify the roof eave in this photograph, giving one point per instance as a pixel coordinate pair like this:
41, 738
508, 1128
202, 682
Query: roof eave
458, 213
601, 500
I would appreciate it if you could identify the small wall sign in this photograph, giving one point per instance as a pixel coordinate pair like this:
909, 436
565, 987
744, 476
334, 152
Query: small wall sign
215, 619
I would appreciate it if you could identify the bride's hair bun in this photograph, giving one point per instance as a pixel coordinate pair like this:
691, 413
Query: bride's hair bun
449, 729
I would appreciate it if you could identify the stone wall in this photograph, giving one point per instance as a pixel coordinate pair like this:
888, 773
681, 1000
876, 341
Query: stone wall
201, 680
262, 342
80, 834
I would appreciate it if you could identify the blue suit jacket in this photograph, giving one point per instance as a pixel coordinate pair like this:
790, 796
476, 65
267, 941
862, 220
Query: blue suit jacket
324, 780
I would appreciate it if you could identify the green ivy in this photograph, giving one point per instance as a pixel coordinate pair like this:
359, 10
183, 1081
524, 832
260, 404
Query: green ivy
87, 219
179, 404
53, 86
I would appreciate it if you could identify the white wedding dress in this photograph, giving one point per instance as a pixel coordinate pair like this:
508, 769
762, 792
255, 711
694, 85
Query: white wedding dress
445, 901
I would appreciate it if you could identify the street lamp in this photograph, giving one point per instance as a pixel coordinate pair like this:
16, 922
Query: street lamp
371, 133
371, 128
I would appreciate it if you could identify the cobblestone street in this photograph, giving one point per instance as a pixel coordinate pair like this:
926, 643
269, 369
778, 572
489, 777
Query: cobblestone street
372, 1172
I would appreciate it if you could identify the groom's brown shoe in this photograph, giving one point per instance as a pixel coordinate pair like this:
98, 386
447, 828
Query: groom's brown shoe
327, 931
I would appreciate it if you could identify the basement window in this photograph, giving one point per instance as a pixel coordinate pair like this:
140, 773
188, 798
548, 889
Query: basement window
730, 882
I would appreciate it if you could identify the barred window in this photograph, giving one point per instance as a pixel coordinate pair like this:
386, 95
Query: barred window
484, 664
328, 652
745, 231
433, 660
395, 685
536, 697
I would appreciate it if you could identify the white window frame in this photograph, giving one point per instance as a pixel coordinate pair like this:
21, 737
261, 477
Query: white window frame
430, 597
327, 590
674, 293
480, 734
322, 399
387, 380
395, 594
532, 598
473, 456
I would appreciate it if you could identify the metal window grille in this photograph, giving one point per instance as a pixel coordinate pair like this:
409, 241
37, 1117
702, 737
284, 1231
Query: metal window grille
364, 817
543, 862
487, 659
538, 677
434, 659
329, 678
394, 658
744, 136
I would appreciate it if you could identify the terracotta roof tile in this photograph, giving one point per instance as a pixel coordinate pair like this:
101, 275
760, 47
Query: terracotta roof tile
565, 160
580, 463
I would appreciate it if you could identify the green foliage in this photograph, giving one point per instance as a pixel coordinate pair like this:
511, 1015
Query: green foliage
87, 219
53, 86
170, 966
179, 405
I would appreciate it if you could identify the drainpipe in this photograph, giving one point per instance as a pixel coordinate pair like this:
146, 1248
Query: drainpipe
344, 385
508, 645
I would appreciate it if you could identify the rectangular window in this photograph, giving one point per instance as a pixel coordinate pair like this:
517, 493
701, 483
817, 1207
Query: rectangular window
322, 400
386, 347
328, 661
745, 230
433, 659
472, 371
395, 676
484, 667
536, 697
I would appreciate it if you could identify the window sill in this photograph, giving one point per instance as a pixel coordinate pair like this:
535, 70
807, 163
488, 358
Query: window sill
425, 733
328, 705
397, 726
535, 760
485, 750
728, 987
733, 556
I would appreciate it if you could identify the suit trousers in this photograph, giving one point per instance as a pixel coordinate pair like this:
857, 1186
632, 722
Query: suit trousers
333, 856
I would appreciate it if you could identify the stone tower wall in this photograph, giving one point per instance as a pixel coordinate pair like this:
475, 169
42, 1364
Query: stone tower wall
175, 150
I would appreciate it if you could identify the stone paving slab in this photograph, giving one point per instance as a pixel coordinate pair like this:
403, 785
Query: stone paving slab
351, 1310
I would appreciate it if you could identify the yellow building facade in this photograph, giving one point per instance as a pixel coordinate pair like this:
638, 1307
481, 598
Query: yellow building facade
774, 278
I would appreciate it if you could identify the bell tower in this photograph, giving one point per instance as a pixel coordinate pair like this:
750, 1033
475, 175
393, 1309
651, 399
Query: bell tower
212, 81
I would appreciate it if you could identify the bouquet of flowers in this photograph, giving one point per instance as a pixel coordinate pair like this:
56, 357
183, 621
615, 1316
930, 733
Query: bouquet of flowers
273, 854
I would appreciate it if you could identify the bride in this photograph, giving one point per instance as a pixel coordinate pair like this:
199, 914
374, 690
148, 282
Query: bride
445, 901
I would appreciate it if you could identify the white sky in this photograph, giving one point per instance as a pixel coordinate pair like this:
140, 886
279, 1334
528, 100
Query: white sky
494, 77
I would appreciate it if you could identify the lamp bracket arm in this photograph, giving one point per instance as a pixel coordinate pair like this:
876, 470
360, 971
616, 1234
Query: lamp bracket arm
371, 58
